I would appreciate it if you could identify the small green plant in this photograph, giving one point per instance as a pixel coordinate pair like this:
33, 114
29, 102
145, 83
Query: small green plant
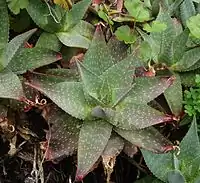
192, 99
68, 26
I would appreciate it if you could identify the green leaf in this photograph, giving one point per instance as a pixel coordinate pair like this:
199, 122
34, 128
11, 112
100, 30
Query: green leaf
98, 57
190, 141
10, 86
175, 176
188, 78
174, 96
189, 161
92, 83
40, 14
76, 14
124, 33
194, 26
80, 36
63, 134
49, 41
93, 138
156, 26
148, 88
130, 149
144, 138
194, 67
145, 51
65, 74
179, 45
135, 116
15, 44
197, 180
159, 164
73, 39
102, 14
137, 9
16, 5
121, 74
189, 59
68, 96
32, 58
187, 9
119, 49
4, 24
113, 148
164, 39
111, 151
153, 46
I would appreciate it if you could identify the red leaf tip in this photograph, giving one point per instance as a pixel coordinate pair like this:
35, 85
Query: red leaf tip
27, 45
48, 152
59, 56
169, 80
98, 28
169, 148
171, 118
79, 176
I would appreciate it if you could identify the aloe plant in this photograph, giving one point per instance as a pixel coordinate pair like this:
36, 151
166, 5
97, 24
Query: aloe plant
108, 100
173, 49
14, 57
177, 166
68, 26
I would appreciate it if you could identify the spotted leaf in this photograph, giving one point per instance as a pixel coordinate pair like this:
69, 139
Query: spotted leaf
148, 88
77, 12
113, 147
33, 58
187, 9
188, 161
98, 57
111, 151
93, 138
192, 55
10, 86
63, 134
147, 138
92, 83
68, 96
132, 116
16, 43
121, 74
49, 41
79, 36
174, 96
4, 24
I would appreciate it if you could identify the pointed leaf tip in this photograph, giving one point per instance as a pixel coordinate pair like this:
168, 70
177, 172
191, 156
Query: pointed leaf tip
93, 138
170, 118
79, 177
59, 56
169, 80
168, 148
98, 28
